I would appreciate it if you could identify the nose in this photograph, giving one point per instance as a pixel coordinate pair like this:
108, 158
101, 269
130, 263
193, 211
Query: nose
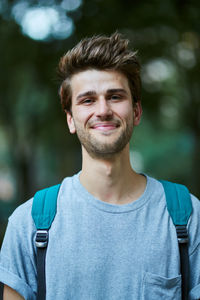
103, 108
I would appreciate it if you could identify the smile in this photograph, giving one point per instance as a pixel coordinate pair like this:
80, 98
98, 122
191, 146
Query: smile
105, 126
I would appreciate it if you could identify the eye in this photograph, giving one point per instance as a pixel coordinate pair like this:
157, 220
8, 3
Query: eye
115, 97
88, 101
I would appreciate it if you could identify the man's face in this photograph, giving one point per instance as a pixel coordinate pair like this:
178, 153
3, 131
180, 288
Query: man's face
102, 115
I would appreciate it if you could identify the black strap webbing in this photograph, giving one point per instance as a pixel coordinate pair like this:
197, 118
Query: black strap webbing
41, 242
184, 260
182, 236
1, 290
41, 282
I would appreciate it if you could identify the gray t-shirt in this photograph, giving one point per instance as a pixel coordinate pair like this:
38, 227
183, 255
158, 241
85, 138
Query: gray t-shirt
101, 251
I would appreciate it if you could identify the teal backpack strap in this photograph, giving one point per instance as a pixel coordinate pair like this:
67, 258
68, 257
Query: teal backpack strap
44, 209
178, 202
179, 206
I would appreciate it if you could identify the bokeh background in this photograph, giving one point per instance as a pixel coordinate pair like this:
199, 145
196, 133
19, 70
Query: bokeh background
36, 149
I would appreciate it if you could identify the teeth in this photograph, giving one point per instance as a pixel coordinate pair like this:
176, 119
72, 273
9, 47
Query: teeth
104, 126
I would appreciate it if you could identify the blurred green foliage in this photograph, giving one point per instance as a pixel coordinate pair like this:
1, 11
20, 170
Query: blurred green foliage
36, 149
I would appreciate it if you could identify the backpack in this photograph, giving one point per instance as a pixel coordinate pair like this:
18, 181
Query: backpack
178, 204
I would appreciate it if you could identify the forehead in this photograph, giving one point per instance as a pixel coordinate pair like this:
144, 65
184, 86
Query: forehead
98, 81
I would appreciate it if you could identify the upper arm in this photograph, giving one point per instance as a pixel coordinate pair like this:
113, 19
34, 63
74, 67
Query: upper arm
10, 294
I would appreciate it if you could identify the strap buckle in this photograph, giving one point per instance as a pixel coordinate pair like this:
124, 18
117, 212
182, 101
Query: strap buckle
182, 234
41, 239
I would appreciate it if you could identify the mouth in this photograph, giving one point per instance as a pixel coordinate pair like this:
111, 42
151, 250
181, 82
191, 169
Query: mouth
105, 126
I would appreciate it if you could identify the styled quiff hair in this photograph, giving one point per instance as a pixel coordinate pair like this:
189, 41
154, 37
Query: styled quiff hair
100, 53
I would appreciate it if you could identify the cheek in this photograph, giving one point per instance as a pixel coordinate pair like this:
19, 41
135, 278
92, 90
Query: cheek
125, 112
82, 116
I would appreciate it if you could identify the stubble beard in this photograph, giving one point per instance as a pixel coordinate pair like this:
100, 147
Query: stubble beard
101, 149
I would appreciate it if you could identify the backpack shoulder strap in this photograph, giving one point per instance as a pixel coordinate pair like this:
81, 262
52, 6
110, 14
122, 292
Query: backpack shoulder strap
179, 206
45, 206
178, 202
43, 212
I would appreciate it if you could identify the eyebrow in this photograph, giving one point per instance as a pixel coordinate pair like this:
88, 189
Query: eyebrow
92, 93
112, 91
85, 94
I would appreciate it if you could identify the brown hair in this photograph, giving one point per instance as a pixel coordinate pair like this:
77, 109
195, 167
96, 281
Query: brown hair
101, 53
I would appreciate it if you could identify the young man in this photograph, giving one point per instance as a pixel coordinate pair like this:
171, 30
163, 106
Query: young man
112, 237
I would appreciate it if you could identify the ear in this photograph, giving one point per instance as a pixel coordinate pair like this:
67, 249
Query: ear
70, 122
137, 113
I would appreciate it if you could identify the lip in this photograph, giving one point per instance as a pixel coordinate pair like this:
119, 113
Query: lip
104, 126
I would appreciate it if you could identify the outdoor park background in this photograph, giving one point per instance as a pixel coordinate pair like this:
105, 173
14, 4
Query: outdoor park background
36, 149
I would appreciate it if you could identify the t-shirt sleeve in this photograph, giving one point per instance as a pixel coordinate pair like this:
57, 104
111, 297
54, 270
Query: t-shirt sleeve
17, 256
194, 250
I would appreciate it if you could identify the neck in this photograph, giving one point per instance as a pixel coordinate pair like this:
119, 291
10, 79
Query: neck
112, 180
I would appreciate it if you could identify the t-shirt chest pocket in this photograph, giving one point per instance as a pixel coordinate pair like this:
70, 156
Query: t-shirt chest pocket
156, 287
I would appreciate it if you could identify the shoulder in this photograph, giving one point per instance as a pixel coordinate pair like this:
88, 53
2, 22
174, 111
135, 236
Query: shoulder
195, 216
194, 225
158, 185
22, 214
195, 204
194, 220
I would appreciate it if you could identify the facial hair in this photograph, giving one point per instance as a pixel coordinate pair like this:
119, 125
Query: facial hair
104, 149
